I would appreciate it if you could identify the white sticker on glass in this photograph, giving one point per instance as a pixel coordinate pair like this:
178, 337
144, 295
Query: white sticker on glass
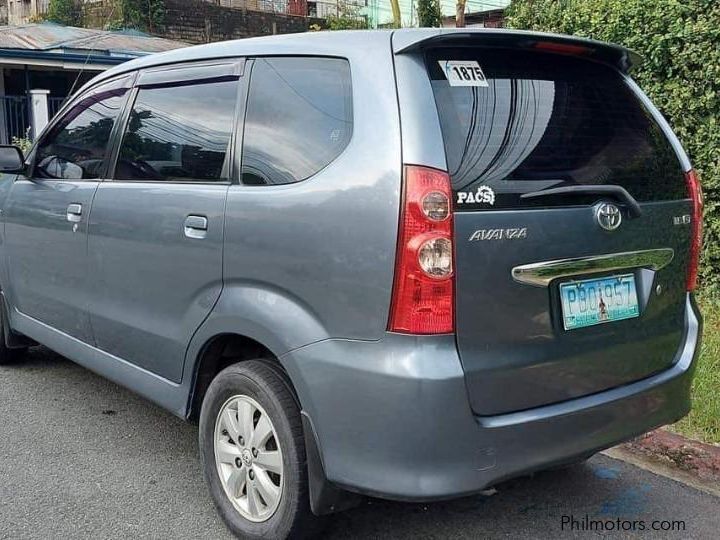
463, 73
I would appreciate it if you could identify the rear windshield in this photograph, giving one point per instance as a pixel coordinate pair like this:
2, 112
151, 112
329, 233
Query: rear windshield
545, 121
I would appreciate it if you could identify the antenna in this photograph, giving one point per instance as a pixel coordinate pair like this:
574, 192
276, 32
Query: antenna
87, 58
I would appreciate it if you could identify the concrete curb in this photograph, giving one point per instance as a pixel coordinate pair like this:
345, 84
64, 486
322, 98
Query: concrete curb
674, 456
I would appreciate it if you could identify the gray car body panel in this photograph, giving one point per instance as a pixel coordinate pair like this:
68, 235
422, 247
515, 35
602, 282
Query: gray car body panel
394, 419
141, 308
46, 254
512, 347
516, 356
321, 237
307, 271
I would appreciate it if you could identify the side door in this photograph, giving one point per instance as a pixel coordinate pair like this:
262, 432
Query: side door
156, 228
46, 212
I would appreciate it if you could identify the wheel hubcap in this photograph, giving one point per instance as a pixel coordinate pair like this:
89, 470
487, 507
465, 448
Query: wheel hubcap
248, 458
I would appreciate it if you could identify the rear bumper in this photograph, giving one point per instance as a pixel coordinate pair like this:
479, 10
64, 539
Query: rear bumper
392, 417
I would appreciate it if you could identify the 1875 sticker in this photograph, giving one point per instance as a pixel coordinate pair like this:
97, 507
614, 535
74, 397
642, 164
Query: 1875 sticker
463, 73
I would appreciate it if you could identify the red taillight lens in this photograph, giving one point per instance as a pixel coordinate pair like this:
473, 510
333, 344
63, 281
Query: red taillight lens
422, 300
562, 48
695, 193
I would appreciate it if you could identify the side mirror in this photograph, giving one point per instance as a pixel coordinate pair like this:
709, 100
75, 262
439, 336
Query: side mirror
11, 159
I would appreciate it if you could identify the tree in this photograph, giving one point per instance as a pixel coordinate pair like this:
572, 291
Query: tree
65, 12
397, 17
146, 15
680, 72
347, 17
460, 13
429, 13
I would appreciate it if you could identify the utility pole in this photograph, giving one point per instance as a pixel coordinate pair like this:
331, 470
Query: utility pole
397, 18
460, 13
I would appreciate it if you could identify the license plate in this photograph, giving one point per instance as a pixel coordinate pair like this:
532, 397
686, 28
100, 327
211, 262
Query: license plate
595, 301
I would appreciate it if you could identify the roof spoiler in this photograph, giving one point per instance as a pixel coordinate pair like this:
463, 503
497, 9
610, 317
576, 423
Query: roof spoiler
607, 53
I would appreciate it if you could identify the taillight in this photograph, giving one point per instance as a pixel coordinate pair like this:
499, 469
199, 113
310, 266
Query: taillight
695, 193
422, 301
562, 48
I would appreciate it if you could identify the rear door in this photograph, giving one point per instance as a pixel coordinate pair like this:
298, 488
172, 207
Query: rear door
571, 226
156, 228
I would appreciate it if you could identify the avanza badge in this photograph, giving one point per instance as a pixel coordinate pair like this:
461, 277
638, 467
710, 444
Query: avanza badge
463, 73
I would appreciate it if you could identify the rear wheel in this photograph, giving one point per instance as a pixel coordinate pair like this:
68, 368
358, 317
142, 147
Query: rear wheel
253, 453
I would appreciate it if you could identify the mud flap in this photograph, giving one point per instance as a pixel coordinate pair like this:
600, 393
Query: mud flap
325, 497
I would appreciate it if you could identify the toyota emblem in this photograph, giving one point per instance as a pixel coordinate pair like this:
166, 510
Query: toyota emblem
608, 216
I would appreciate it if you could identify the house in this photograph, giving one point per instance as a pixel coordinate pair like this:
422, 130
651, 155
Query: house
196, 21
487, 16
44, 63
23, 11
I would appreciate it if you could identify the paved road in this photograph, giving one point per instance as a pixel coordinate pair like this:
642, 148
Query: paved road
83, 458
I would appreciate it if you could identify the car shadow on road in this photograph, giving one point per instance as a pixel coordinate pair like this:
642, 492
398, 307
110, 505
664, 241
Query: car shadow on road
38, 357
504, 510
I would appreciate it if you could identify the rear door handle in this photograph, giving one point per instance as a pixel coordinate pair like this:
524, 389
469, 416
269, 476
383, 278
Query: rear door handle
196, 226
74, 212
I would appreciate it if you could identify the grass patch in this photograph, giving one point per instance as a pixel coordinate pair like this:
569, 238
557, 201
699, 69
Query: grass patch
703, 422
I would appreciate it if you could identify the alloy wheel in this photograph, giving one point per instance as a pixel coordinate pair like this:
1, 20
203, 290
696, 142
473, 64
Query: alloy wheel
248, 458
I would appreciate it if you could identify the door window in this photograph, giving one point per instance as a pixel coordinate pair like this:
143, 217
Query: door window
299, 118
76, 146
179, 133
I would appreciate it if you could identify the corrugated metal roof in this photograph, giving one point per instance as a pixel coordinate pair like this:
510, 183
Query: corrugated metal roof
56, 38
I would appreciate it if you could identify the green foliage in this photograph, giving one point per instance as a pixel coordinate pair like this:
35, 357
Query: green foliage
680, 43
703, 422
67, 12
145, 15
23, 143
348, 17
429, 13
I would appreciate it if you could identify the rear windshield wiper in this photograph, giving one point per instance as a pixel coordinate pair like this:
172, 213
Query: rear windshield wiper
617, 192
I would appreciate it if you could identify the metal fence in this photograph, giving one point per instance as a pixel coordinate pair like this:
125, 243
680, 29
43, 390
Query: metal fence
15, 117
54, 104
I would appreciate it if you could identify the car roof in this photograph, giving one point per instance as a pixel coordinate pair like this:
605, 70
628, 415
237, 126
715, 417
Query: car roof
339, 43
351, 42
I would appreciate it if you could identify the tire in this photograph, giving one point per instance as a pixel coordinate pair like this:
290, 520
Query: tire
233, 465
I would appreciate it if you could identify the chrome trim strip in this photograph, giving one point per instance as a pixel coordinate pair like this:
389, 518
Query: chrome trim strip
540, 274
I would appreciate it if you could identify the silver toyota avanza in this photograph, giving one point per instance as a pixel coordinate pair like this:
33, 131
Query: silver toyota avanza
406, 264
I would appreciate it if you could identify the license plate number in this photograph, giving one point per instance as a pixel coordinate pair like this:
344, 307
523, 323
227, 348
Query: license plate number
595, 301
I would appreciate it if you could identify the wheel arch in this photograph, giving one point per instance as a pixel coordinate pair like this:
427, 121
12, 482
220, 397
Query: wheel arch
226, 349
221, 351
249, 320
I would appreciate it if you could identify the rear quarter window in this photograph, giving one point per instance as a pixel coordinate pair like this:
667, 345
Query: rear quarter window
545, 121
298, 120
